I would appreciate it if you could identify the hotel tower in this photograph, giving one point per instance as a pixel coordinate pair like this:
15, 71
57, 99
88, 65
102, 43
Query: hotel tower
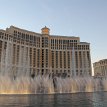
43, 53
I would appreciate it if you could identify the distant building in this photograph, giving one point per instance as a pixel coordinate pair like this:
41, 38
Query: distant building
100, 68
42, 53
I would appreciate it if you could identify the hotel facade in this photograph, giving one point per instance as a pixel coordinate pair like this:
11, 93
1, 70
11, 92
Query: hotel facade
41, 53
100, 68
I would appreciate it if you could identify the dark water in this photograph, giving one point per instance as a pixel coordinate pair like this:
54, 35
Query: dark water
98, 99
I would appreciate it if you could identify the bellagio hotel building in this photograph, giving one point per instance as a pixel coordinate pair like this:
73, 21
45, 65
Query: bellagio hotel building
43, 53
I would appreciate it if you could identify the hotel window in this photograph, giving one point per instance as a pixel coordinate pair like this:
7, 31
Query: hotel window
56, 59
27, 37
42, 57
60, 59
14, 53
84, 59
80, 59
30, 56
52, 59
34, 39
5, 45
68, 59
76, 72
38, 41
51, 43
30, 37
0, 34
88, 57
0, 49
64, 59
42, 41
57, 44
34, 57
46, 41
38, 58
22, 36
68, 71
18, 54
46, 57
76, 57
60, 44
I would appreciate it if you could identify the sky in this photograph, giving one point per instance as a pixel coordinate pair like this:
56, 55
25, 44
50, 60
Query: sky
84, 18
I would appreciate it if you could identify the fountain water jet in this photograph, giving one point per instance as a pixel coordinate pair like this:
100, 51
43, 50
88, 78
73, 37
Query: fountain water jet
16, 79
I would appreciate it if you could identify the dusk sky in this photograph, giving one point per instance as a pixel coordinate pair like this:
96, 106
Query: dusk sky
84, 18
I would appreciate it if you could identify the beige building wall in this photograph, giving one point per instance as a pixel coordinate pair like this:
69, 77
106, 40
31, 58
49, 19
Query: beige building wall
100, 68
44, 53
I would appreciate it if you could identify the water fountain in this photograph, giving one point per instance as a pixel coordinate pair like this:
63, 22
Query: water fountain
21, 82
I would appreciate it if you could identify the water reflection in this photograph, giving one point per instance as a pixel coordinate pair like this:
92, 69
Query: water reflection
97, 99
13, 100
